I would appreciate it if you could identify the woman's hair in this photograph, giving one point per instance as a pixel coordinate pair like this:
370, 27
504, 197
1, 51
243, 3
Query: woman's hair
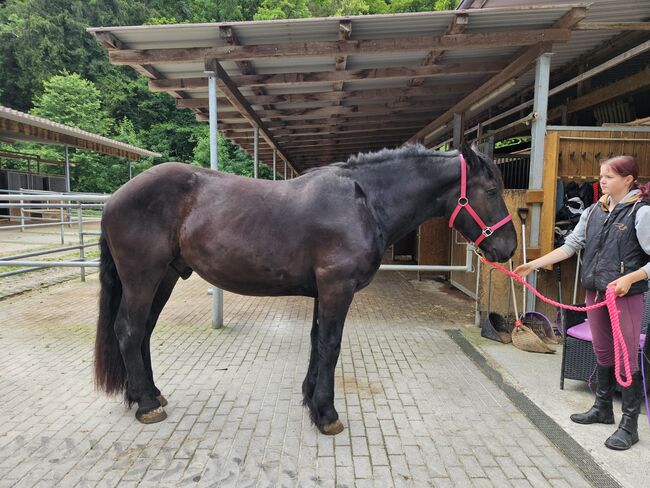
627, 166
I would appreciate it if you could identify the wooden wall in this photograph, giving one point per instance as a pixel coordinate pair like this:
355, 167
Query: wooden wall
433, 244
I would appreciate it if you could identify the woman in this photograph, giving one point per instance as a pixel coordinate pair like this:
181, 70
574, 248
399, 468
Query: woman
615, 236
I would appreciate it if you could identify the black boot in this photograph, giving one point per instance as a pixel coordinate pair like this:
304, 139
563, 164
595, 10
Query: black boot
627, 435
602, 412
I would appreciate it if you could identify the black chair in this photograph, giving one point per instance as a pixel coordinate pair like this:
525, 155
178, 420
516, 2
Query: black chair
578, 358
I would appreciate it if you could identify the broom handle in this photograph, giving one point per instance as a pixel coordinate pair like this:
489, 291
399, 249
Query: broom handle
512, 289
523, 239
575, 282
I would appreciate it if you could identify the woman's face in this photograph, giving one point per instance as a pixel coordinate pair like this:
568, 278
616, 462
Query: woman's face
612, 183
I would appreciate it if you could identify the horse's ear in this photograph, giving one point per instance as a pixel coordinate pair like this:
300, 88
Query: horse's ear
470, 155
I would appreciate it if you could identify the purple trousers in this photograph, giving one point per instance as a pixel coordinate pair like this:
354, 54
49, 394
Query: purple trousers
630, 313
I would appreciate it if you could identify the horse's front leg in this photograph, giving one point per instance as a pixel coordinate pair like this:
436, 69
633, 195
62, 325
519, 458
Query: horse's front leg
334, 302
309, 382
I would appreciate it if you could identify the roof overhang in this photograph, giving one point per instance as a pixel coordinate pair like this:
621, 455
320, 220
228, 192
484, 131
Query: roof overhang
322, 89
19, 126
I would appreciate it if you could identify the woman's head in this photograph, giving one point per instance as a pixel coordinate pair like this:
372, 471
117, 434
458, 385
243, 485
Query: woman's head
618, 175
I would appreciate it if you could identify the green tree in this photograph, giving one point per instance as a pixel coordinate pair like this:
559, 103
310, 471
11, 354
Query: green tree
71, 100
40, 38
282, 9
232, 158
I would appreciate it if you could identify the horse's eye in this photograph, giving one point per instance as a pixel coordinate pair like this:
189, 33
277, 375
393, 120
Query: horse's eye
492, 191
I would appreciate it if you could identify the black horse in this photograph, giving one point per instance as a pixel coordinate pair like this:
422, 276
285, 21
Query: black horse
321, 235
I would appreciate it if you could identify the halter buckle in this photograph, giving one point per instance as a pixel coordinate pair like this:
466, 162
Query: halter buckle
487, 232
463, 201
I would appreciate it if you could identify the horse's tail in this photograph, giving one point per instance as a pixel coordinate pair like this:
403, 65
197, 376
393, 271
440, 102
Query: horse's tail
110, 372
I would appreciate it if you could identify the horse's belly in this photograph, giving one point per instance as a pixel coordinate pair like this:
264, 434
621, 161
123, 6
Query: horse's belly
253, 273
257, 282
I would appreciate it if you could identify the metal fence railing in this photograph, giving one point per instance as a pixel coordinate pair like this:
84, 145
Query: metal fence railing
515, 170
29, 210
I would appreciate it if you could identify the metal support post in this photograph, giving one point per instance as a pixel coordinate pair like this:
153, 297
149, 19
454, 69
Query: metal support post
217, 293
256, 143
538, 132
274, 164
80, 227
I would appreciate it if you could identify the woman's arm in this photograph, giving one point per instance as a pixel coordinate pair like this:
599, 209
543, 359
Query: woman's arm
572, 244
548, 259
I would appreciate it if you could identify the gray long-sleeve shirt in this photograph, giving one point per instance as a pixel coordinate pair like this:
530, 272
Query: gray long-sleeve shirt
576, 240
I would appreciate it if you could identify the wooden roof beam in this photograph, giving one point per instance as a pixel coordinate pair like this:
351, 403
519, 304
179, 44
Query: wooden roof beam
340, 48
305, 113
321, 77
334, 98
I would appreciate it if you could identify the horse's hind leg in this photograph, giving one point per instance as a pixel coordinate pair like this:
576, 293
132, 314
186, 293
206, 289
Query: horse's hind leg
131, 329
162, 296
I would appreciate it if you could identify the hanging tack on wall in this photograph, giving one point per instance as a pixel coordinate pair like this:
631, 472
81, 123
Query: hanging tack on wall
572, 154
597, 155
584, 154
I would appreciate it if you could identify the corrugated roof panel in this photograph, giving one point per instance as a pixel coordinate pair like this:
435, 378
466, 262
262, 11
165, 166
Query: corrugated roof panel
387, 60
599, 10
289, 89
478, 55
293, 65
183, 36
387, 27
517, 20
282, 31
271, 90
370, 84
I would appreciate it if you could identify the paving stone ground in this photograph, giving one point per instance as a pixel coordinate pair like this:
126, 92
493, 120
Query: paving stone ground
417, 411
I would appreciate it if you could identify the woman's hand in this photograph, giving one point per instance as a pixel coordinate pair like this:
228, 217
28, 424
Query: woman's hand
622, 285
524, 270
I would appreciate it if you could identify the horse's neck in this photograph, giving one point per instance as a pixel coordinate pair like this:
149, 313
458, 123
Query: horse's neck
408, 194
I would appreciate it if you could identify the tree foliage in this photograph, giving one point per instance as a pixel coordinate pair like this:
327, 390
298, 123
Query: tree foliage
50, 66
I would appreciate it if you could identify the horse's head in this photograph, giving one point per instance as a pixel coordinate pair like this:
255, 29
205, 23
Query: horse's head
482, 216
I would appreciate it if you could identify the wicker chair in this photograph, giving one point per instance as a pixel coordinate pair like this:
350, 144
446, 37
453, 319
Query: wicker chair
578, 358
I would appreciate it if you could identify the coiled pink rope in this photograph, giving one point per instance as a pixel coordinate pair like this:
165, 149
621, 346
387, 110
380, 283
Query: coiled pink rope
620, 348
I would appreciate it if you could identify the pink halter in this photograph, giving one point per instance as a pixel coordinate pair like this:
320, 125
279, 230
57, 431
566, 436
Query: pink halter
463, 202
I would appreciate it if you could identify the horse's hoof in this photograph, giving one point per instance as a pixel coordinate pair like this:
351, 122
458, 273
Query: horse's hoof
334, 428
151, 417
162, 400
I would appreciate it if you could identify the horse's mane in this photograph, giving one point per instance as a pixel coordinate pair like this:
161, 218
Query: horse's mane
362, 159
409, 152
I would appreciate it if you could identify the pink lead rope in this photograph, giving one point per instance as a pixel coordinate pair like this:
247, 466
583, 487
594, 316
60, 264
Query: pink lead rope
610, 301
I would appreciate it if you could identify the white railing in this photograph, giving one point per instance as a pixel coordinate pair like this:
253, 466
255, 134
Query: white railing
35, 210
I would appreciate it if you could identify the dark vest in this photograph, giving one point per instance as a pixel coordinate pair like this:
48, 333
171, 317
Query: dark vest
612, 248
